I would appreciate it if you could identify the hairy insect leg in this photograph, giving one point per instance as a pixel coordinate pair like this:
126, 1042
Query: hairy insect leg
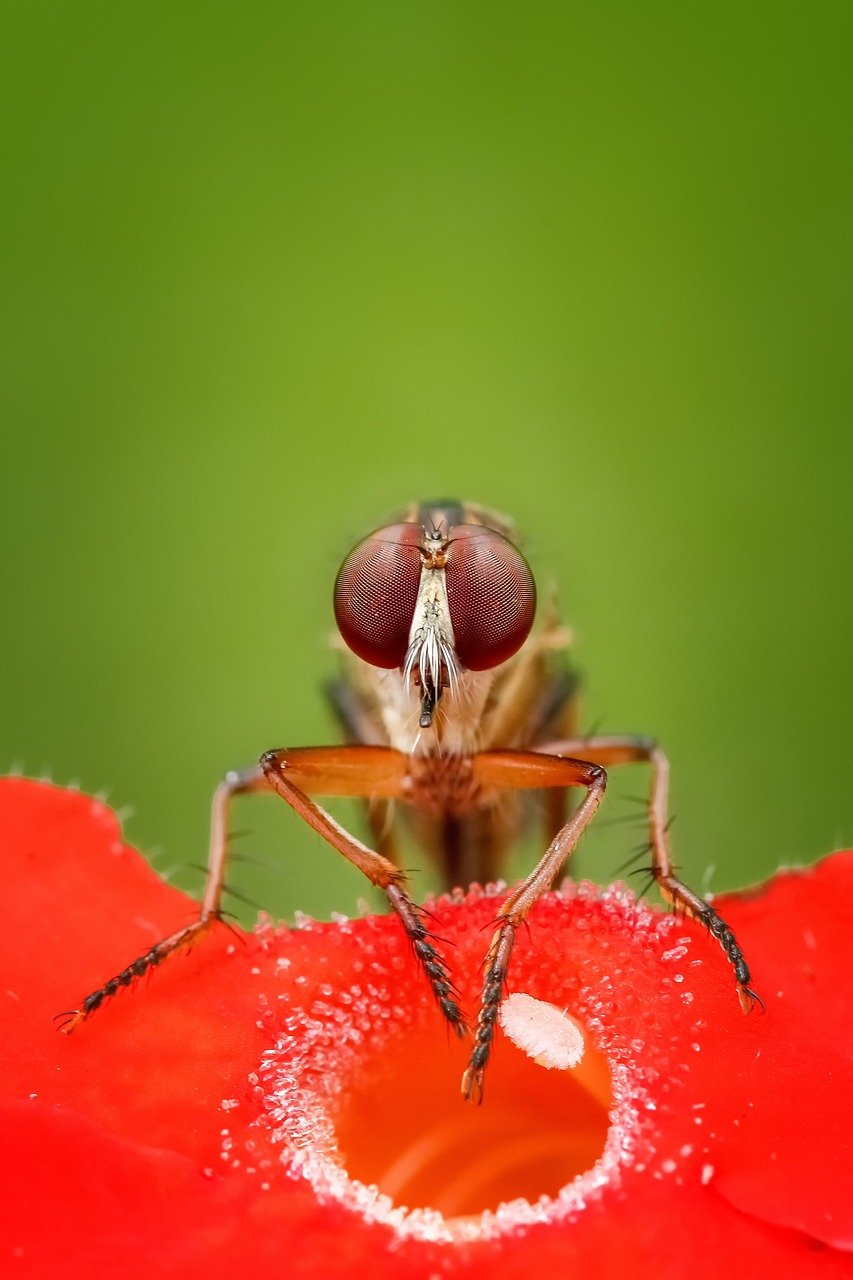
367, 773
610, 751
236, 783
524, 771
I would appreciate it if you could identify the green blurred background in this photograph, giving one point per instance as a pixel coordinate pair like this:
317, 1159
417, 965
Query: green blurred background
273, 270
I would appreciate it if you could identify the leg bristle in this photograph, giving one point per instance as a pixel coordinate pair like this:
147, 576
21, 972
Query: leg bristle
432, 963
497, 965
133, 972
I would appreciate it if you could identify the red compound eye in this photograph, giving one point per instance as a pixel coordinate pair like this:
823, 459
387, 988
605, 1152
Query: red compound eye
491, 594
376, 591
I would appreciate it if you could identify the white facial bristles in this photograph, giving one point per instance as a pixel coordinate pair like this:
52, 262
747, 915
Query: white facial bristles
545, 1033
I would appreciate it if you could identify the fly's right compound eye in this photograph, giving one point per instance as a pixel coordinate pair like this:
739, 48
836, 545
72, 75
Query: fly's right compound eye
376, 592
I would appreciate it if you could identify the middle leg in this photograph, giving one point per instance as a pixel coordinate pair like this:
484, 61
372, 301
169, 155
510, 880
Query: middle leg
243, 782
634, 750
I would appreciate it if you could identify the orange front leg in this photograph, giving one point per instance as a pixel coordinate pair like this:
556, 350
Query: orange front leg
362, 771
368, 773
525, 770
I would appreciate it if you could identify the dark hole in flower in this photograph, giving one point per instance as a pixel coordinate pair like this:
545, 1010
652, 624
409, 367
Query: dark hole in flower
403, 1127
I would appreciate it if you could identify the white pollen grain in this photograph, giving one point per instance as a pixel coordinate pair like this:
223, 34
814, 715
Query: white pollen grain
545, 1033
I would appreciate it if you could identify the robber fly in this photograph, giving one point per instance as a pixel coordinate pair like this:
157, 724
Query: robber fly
451, 707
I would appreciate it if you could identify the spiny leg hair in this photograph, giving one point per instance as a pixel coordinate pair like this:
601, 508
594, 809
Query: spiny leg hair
431, 961
133, 972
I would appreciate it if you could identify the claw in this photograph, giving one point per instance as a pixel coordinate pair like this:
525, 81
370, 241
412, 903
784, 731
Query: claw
472, 1085
73, 1018
749, 999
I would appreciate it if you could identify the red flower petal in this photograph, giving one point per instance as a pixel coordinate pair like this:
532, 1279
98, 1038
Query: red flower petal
790, 1159
730, 1157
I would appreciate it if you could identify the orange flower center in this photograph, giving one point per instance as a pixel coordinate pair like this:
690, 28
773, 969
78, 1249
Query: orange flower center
407, 1131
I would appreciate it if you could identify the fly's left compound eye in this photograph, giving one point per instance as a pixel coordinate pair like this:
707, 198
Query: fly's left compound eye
491, 596
376, 592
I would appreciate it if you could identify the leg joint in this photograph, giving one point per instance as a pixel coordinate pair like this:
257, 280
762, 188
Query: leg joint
270, 762
597, 776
